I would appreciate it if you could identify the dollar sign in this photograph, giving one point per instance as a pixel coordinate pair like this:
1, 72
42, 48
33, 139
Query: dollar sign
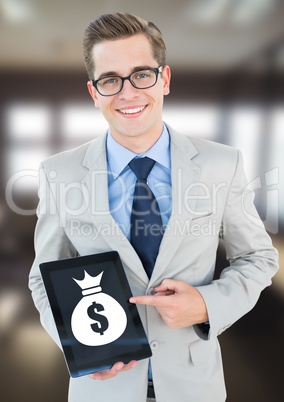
98, 317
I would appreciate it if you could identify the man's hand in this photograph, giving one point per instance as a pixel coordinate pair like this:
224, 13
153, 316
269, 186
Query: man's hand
179, 304
116, 368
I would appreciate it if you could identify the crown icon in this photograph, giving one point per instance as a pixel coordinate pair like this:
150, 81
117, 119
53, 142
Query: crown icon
90, 284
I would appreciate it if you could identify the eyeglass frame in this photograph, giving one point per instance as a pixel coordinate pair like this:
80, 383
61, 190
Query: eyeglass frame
157, 70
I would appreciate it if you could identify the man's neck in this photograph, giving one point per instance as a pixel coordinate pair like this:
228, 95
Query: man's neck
140, 147
138, 144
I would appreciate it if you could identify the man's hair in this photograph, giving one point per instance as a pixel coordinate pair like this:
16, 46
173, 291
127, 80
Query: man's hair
119, 26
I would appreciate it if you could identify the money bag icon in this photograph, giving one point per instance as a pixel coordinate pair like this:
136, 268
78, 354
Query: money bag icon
98, 319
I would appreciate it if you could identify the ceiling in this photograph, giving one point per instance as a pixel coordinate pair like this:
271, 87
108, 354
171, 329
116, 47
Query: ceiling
200, 34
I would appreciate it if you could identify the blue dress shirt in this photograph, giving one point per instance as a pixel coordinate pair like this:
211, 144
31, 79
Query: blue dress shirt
121, 179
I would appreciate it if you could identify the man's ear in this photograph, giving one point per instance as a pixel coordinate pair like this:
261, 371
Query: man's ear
166, 74
93, 93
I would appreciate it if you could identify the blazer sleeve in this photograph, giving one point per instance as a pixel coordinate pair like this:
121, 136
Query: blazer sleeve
252, 258
51, 243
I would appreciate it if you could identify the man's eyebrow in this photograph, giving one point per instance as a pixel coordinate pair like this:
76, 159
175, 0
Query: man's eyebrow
108, 74
116, 74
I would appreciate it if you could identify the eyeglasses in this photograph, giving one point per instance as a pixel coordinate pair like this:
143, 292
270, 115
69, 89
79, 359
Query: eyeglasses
141, 79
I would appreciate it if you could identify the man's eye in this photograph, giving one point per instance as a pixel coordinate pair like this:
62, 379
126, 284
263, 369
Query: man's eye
108, 81
142, 75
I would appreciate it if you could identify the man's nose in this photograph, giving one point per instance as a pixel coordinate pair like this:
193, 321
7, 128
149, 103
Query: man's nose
128, 90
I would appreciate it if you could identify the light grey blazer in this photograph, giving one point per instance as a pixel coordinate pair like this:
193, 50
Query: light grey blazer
211, 200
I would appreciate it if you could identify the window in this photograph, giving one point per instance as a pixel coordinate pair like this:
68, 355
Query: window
244, 133
193, 119
27, 140
80, 123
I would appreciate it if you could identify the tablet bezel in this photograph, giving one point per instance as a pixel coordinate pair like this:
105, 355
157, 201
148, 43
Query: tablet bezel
76, 370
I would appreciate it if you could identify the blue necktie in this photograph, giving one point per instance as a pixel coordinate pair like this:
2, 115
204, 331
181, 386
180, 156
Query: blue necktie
146, 224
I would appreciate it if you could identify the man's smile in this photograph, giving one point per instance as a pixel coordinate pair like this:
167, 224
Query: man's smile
132, 110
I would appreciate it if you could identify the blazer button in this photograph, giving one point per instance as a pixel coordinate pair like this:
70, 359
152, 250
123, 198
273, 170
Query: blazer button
151, 291
154, 345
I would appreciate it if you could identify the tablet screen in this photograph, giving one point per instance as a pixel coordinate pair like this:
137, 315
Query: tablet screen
96, 324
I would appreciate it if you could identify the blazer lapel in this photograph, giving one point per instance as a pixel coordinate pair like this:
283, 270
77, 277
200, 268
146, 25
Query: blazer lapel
185, 173
96, 181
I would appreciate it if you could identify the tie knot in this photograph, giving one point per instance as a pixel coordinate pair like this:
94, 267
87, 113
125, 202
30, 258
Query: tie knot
141, 167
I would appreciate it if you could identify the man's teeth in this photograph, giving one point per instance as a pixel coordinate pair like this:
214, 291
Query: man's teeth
132, 111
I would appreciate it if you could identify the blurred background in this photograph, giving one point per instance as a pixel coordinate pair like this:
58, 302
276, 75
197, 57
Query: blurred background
227, 60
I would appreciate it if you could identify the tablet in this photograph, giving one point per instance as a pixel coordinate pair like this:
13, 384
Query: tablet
97, 325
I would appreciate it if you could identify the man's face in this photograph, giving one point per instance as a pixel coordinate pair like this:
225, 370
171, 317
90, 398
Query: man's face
121, 57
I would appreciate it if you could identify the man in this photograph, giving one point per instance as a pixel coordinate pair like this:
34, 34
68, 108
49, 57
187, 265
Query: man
202, 196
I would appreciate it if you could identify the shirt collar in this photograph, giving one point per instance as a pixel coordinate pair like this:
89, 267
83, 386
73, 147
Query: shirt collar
160, 152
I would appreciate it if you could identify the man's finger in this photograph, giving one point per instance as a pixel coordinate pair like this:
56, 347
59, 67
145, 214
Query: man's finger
147, 300
170, 285
157, 301
116, 368
107, 374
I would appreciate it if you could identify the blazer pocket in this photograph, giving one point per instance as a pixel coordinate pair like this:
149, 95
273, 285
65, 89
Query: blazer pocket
201, 351
198, 217
201, 224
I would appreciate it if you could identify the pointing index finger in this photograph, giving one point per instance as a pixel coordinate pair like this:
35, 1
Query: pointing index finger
148, 300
